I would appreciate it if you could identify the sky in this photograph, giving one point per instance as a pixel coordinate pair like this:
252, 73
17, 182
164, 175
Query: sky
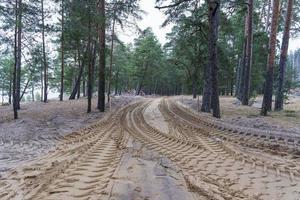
154, 19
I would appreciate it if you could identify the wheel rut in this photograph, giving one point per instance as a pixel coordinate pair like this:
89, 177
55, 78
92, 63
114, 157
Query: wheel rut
217, 161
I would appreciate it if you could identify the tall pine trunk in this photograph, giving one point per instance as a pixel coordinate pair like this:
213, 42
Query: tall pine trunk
211, 94
15, 97
283, 56
61, 97
243, 62
111, 57
90, 69
19, 53
268, 90
76, 88
10, 84
117, 81
44, 55
248, 55
268, 16
101, 78
194, 85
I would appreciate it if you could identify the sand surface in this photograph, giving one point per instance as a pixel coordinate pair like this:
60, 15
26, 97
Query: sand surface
160, 149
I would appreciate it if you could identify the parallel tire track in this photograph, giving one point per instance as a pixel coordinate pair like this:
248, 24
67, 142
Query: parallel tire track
80, 168
265, 174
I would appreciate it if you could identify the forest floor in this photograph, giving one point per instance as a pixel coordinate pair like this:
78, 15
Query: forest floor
160, 148
41, 126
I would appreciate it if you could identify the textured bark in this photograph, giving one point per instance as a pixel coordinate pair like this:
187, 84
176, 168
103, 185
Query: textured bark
283, 56
211, 85
248, 54
206, 99
243, 62
268, 90
62, 76
44, 55
15, 97
76, 88
10, 83
90, 70
101, 78
19, 53
268, 16
117, 81
141, 82
238, 77
111, 58
194, 85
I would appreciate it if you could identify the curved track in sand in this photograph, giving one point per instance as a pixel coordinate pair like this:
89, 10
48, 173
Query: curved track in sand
217, 160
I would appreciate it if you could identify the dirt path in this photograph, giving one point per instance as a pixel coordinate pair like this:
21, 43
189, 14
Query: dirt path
172, 153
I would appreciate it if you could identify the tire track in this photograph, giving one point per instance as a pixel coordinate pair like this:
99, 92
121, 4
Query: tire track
80, 168
183, 153
83, 163
264, 175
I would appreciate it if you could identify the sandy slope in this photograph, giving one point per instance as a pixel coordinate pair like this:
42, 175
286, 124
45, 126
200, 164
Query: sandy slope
158, 149
41, 126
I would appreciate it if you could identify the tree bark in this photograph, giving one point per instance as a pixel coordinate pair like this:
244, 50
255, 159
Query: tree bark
194, 85
101, 78
268, 90
61, 97
76, 88
111, 57
32, 92
44, 55
268, 17
248, 54
141, 82
10, 84
243, 62
117, 81
15, 97
90, 69
19, 53
283, 56
211, 85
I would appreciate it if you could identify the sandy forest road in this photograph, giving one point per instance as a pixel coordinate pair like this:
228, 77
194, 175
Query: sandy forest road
130, 155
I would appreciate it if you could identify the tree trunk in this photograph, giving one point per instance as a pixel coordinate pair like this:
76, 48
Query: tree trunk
61, 97
15, 97
42, 84
32, 92
141, 82
117, 81
111, 57
44, 56
101, 78
83, 79
10, 84
194, 85
248, 54
243, 62
268, 17
238, 77
25, 88
211, 85
268, 90
79, 81
19, 53
283, 56
76, 88
90, 69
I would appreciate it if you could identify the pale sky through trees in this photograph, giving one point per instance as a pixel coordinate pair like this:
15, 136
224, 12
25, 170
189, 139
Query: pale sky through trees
154, 19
